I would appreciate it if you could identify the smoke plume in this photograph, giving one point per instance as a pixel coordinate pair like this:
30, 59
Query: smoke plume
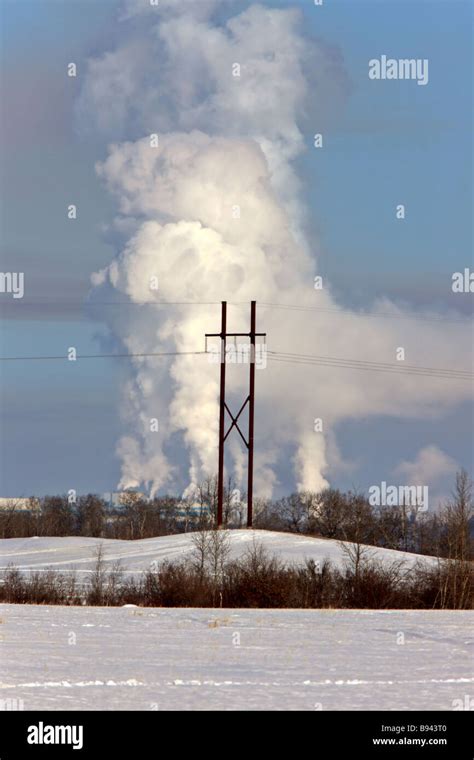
212, 209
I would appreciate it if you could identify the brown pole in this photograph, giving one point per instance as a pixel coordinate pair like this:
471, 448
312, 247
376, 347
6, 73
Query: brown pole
251, 413
220, 477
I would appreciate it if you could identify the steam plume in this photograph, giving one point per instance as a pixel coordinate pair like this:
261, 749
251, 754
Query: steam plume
216, 212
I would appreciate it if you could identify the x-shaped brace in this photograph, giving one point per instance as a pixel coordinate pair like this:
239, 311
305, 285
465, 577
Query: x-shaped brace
234, 420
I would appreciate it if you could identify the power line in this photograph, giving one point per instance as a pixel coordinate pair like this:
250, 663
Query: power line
370, 369
270, 305
283, 357
154, 303
101, 356
82, 302
371, 315
372, 366
331, 361
366, 361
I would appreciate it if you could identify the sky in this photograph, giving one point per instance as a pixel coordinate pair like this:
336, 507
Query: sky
385, 144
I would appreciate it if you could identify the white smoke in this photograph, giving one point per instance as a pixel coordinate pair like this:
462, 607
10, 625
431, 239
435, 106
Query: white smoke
215, 213
199, 9
430, 465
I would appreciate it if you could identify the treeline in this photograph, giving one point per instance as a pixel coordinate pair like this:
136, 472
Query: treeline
444, 532
257, 580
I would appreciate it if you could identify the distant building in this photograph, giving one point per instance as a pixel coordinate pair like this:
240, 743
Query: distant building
194, 511
18, 504
119, 499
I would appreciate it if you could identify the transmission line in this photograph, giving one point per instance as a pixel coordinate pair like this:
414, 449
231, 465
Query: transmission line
332, 361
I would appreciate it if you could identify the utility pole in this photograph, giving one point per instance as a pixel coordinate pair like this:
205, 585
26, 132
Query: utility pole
253, 319
222, 404
223, 408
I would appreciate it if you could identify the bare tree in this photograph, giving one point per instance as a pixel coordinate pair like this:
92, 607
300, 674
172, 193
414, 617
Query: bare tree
96, 591
294, 512
211, 549
136, 514
456, 571
57, 516
10, 509
356, 555
267, 515
329, 514
218, 551
90, 513
458, 515
207, 498
199, 541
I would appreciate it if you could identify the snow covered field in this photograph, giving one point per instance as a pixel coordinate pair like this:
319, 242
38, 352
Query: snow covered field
159, 659
73, 553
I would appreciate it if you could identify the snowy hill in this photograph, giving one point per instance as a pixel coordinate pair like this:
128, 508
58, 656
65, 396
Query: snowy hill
77, 553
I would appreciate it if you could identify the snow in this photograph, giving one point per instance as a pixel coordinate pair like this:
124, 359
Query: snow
75, 553
129, 657
60, 658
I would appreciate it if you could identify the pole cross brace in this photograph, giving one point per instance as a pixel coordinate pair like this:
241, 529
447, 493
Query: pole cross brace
234, 420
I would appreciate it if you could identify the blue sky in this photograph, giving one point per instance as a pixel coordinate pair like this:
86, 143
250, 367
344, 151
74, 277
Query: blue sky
405, 144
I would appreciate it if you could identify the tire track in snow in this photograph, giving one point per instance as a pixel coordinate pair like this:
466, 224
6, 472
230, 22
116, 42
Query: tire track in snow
195, 682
